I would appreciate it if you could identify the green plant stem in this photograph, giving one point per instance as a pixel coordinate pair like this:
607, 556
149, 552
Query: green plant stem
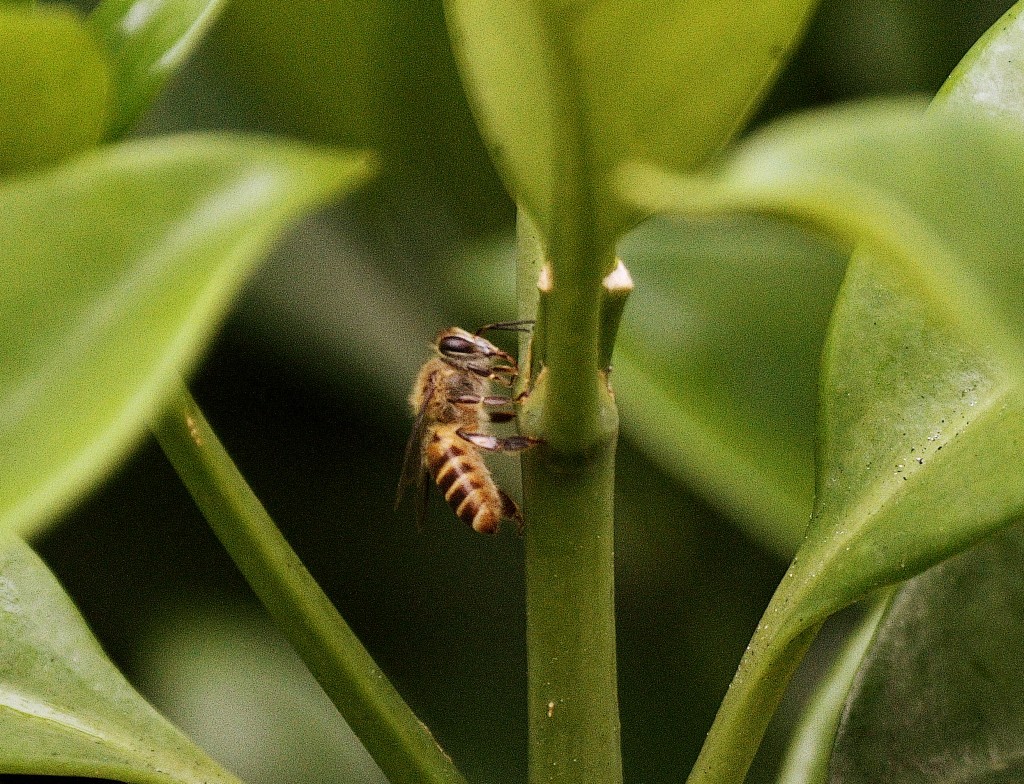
573, 701
755, 692
399, 742
810, 748
568, 484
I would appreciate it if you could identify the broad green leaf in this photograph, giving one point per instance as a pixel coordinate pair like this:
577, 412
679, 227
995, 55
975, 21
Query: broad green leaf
716, 365
232, 682
320, 69
921, 379
990, 77
919, 414
921, 407
566, 91
64, 708
53, 87
146, 41
939, 694
115, 271
966, 609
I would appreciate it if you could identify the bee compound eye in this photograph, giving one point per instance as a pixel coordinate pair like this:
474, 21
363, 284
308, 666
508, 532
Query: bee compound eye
455, 345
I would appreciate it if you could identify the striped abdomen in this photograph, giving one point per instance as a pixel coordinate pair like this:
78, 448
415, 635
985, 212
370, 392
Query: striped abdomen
464, 480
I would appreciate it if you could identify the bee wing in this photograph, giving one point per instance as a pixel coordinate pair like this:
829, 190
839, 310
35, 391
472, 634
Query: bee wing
413, 469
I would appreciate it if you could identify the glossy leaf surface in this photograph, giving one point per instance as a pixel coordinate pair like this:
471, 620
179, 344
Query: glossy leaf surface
64, 708
921, 378
939, 695
565, 92
940, 683
53, 87
716, 365
115, 272
919, 406
921, 393
146, 40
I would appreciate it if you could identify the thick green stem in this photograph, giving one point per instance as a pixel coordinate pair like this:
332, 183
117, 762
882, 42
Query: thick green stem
573, 701
568, 485
397, 740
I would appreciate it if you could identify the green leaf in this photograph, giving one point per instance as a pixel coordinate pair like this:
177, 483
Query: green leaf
965, 610
209, 669
325, 70
716, 365
115, 272
921, 409
939, 695
990, 77
918, 417
921, 392
64, 708
146, 41
566, 91
53, 87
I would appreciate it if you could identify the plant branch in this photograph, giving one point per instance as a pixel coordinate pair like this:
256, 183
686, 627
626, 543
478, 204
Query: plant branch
568, 488
399, 742
767, 666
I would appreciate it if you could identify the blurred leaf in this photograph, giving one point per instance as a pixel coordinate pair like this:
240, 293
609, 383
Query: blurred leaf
809, 752
53, 87
319, 68
233, 683
716, 367
921, 396
738, 425
919, 415
146, 41
565, 91
921, 708
64, 708
939, 696
115, 272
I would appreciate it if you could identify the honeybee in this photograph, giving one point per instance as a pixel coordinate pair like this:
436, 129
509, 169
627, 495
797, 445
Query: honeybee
451, 403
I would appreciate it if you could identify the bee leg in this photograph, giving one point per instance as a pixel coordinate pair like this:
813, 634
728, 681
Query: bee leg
490, 400
504, 374
508, 326
510, 509
497, 444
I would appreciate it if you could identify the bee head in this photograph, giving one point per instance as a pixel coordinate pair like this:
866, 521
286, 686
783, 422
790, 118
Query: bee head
466, 351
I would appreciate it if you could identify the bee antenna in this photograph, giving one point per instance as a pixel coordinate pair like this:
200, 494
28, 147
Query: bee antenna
507, 326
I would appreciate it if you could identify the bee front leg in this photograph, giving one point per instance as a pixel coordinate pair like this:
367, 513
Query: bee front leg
498, 444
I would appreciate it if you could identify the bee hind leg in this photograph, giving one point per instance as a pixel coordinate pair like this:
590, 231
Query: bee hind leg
498, 444
510, 509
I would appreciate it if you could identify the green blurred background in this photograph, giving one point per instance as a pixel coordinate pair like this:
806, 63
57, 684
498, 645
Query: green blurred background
307, 383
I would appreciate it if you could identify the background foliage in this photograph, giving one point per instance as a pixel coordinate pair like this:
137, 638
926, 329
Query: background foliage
307, 383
